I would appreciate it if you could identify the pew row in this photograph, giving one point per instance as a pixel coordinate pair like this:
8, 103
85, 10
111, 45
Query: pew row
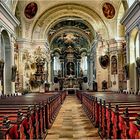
109, 114
37, 114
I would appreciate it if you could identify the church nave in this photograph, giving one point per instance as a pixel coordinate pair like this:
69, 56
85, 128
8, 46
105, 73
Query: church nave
72, 123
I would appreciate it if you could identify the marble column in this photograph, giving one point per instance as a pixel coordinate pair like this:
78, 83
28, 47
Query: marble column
46, 71
49, 71
90, 71
62, 68
138, 27
88, 61
127, 47
128, 57
12, 61
52, 69
0, 40
78, 67
20, 69
0, 58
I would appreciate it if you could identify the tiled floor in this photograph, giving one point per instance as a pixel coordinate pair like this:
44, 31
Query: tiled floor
72, 123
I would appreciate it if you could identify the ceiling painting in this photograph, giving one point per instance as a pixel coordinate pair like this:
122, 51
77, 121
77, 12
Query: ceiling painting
108, 10
31, 10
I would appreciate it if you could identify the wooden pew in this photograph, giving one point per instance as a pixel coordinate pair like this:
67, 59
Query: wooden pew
41, 110
21, 117
102, 115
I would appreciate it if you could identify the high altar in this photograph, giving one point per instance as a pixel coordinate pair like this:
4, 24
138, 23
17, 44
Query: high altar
67, 60
71, 67
69, 76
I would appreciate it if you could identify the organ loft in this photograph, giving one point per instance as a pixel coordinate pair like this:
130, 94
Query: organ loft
69, 69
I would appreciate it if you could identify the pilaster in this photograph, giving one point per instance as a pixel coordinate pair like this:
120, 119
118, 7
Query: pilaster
0, 58
127, 47
12, 42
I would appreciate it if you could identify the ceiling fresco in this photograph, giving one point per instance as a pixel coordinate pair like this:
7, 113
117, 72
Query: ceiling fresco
75, 24
70, 38
108, 10
30, 10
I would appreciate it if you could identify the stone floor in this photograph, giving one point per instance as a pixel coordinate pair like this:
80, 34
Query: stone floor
72, 123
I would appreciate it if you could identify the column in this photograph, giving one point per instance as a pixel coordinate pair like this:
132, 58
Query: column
62, 67
46, 70
127, 47
12, 61
0, 59
138, 26
91, 72
128, 56
0, 40
20, 67
88, 69
52, 69
49, 71
78, 67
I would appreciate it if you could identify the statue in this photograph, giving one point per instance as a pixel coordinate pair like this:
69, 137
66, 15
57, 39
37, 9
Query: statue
81, 73
113, 65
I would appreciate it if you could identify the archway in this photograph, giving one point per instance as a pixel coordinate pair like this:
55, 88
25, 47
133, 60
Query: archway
132, 54
6, 57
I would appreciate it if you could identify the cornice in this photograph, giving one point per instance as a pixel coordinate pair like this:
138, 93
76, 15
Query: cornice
135, 7
7, 27
8, 14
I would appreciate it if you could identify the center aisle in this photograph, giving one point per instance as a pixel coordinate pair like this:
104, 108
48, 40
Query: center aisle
72, 123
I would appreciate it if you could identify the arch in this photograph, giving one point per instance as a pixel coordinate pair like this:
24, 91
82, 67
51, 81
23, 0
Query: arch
83, 50
133, 36
51, 16
120, 27
6, 56
133, 73
56, 50
69, 30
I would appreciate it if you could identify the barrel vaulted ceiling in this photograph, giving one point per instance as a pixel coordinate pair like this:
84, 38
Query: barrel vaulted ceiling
85, 18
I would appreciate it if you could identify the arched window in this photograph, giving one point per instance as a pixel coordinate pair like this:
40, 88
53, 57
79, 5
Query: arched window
84, 65
56, 65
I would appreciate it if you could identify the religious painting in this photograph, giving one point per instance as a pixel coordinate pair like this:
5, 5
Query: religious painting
104, 61
114, 65
70, 68
108, 10
31, 10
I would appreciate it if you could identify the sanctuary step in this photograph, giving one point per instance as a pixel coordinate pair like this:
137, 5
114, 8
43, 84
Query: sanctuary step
72, 123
